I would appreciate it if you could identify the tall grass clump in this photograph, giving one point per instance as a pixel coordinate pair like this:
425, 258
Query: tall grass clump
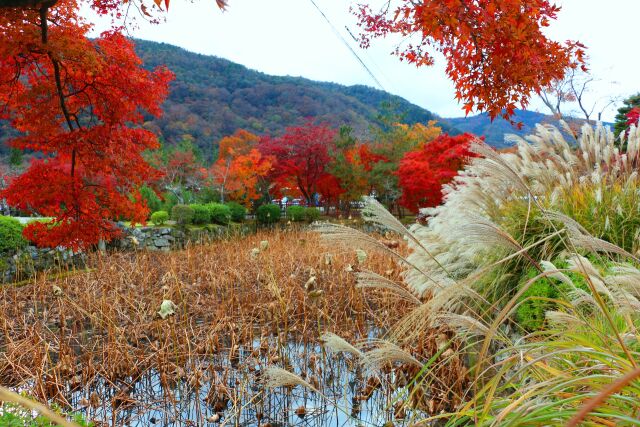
498, 205
527, 274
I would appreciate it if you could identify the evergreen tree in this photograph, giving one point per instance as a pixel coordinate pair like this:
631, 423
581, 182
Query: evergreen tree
15, 157
620, 124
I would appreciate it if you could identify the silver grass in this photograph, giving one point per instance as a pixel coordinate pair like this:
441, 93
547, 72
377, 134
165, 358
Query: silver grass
626, 277
336, 234
580, 237
554, 273
625, 302
371, 280
374, 212
425, 316
580, 264
593, 244
572, 225
337, 344
485, 231
561, 319
464, 325
600, 286
544, 165
578, 297
412, 325
386, 352
498, 163
278, 377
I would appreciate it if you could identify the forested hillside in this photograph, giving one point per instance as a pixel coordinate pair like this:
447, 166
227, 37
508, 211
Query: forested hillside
212, 97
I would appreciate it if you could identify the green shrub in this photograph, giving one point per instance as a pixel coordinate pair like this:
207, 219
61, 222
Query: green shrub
12, 415
179, 196
268, 214
182, 214
218, 213
238, 212
534, 302
160, 217
312, 214
201, 214
296, 213
11, 234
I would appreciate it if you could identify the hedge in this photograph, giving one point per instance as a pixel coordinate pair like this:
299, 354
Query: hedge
312, 214
160, 217
11, 234
218, 213
238, 212
182, 214
296, 213
268, 214
201, 214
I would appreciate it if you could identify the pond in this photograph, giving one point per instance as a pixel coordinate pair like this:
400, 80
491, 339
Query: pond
96, 341
227, 389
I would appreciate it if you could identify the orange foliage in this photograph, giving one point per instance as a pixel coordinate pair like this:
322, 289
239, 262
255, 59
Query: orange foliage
496, 51
241, 168
240, 143
245, 174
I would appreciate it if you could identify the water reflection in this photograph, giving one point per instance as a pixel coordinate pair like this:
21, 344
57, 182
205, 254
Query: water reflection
226, 389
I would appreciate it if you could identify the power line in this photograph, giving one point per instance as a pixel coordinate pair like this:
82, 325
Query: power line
370, 60
335, 30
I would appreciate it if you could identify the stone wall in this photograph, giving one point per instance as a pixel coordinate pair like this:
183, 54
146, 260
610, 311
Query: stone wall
171, 238
24, 263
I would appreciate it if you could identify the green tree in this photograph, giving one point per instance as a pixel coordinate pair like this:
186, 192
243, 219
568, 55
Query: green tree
620, 124
347, 167
391, 143
154, 203
16, 157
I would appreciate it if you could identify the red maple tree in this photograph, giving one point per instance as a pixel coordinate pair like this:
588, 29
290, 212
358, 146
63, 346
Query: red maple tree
496, 51
74, 100
633, 117
423, 172
302, 156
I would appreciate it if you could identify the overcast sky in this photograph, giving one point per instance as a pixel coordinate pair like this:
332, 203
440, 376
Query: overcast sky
291, 37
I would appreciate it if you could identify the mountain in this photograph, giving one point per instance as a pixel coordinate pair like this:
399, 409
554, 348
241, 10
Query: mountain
494, 132
212, 97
